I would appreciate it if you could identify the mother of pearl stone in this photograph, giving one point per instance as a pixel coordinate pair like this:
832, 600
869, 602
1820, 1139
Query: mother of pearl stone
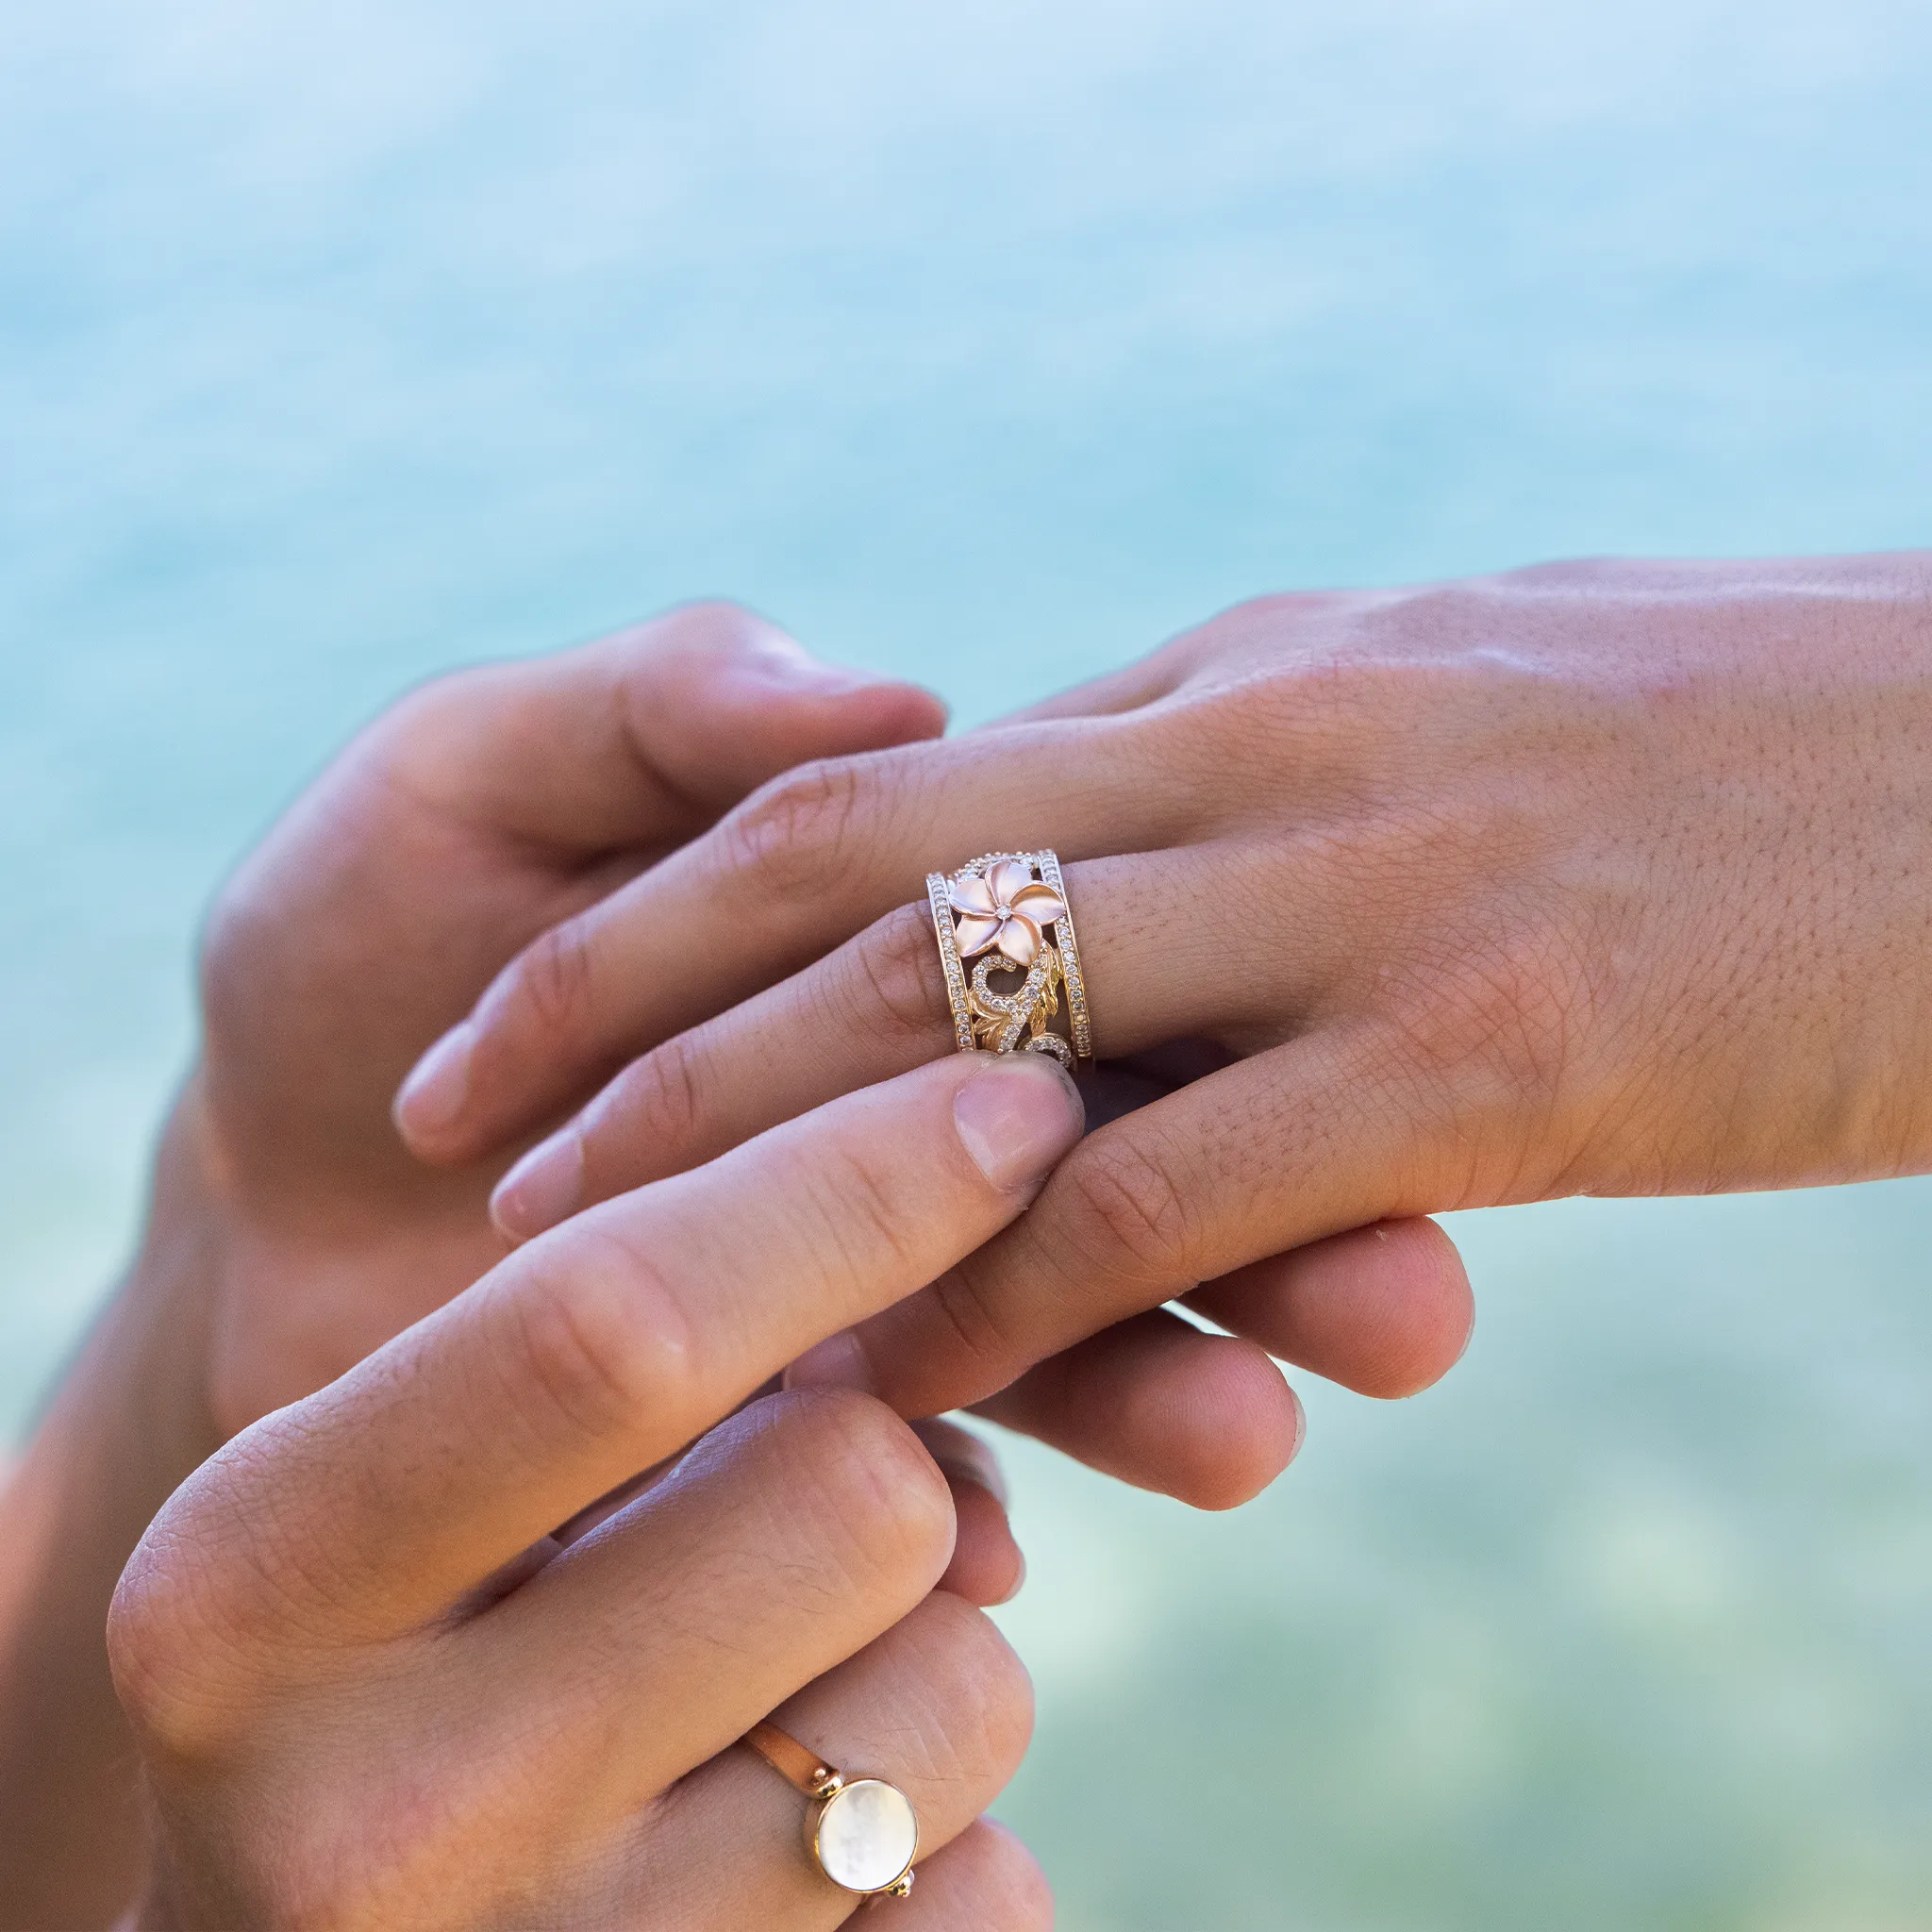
867, 1835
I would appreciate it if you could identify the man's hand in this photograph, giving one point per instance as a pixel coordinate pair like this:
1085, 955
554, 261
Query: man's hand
291, 1233
477, 814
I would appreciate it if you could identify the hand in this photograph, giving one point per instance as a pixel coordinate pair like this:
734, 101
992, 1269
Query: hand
473, 815
370, 1688
291, 1233
1599, 878
484, 811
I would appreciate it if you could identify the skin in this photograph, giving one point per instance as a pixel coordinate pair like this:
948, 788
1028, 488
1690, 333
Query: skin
1603, 877
290, 1232
369, 1686
481, 813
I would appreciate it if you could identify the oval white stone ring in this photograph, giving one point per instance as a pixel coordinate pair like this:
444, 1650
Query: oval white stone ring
864, 1832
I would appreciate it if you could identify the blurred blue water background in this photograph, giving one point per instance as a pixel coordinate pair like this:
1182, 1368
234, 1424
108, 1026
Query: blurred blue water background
340, 345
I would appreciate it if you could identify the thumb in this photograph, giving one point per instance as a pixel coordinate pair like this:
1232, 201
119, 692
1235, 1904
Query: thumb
641, 739
720, 701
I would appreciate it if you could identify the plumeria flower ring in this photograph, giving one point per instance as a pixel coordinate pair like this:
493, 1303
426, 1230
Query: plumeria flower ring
1004, 911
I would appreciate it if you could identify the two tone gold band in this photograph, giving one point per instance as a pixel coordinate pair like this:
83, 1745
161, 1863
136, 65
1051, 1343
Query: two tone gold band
864, 1832
1010, 912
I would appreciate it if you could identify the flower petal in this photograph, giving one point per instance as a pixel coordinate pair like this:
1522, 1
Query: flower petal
1019, 939
975, 932
1039, 903
973, 895
1009, 879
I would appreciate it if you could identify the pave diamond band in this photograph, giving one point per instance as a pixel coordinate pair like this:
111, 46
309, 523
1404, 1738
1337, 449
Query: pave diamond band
1009, 913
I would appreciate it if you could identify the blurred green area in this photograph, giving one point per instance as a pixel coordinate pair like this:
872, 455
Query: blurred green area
1624, 1624
339, 346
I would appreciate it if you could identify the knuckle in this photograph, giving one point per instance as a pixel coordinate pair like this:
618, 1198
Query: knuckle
885, 1514
419, 749
410, 739
551, 981
597, 1341
204, 1590
155, 1646
712, 625
798, 836
852, 1219
970, 1302
895, 985
1013, 1892
1127, 1202
1480, 1043
657, 1101
981, 1691
867, 1212
1511, 1007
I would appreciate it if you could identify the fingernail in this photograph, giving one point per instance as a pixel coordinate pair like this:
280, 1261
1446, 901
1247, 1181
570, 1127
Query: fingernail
991, 1478
837, 1363
542, 1189
438, 1084
1017, 1117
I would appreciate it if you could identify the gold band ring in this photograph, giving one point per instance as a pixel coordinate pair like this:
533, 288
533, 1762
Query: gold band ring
997, 911
864, 1832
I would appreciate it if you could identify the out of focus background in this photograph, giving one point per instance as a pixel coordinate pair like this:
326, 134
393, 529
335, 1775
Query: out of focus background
990, 344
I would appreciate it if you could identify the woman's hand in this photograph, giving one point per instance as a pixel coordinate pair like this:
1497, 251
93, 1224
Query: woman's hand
371, 1690
1601, 877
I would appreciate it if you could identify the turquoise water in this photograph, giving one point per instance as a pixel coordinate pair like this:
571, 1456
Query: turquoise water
336, 345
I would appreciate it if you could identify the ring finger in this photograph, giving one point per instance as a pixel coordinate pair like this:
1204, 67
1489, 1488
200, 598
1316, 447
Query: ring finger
803, 863
939, 1706
1152, 927
1384, 1313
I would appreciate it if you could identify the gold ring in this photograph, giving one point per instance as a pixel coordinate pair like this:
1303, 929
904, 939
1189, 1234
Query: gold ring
998, 912
864, 1834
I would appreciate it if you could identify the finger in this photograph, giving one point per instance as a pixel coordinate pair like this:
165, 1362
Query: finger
939, 1706
527, 791
1156, 930
641, 737
803, 863
1333, 1131
612, 755
1269, 623
603, 1348
987, 1566
796, 1533
1204, 1418
1384, 1310
1125, 689
985, 1881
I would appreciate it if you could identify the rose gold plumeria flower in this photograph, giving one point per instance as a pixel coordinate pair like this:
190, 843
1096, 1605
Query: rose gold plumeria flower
1005, 909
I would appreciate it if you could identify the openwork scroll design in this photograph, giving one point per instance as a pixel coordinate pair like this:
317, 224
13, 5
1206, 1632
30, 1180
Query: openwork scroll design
1007, 912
